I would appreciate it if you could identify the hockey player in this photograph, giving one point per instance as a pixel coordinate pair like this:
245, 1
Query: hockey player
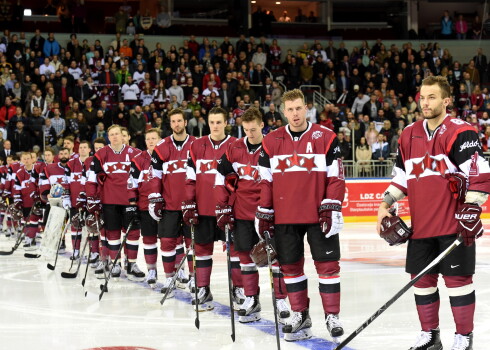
3, 205
139, 187
238, 173
169, 171
300, 163
69, 143
199, 207
77, 169
13, 165
109, 173
56, 173
438, 158
25, 186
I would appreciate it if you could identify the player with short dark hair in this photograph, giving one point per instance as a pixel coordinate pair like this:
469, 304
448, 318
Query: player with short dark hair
440, 167
238, 176
199, 207
300, 164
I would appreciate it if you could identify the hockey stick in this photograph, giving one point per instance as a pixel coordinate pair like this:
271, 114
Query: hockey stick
103, 287
174, 278
196, 322
271, 277
76, 241
74, 274
100, 243
17, 242
230, 286
402, 291
52, 267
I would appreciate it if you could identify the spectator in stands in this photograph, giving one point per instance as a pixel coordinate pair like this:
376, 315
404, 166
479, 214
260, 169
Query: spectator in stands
461, 28
446, 26
20, 139
345, 147
371, 134
284, 18
363, 157
311, 113
51, 46
300, 17
476, 28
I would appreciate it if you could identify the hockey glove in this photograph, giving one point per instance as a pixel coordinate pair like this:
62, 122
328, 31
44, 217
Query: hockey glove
133, 214
189, 213
66, 201
93, 206
224, 216
331, 220
156, 206
264, 222
35, 196
470, 225
81, 200
457, 186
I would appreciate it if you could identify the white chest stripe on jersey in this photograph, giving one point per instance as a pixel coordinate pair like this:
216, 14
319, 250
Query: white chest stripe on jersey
298, 162
428, 165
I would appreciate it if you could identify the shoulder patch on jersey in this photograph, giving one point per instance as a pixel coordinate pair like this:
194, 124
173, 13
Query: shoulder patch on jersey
316, 135
130, 150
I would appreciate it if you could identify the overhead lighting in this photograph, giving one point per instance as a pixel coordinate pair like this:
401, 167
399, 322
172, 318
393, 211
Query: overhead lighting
27, 12
253, 2
278, 3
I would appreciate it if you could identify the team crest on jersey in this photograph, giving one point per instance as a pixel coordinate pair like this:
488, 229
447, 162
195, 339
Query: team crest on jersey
316, 135
428, 163
443, 129
474, 171
130, 150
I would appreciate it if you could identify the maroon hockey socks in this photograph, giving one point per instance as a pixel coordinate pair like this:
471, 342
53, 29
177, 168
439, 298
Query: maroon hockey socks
329, 285
296, 285
462, 299
167, 246
427, 301
150, 249
250, 274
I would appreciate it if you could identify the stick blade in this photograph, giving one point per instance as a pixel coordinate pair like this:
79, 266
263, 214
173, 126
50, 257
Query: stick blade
233, 337
68, 275
197, 323
49, 266
83, 282
31, 256
7, 253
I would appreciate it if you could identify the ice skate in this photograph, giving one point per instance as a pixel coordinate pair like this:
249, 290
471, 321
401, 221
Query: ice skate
298, 326
283, 312
334, 327
238, 297
151, 279
182, 279
94, 259
166, 286
191, 284
62, 248
30, 244
205, 299
463, 342
250, 310
101, 270
115, 270
428, 341
75, 255
134, 273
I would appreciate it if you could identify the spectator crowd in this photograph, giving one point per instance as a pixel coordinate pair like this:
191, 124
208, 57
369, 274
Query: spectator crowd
50, 89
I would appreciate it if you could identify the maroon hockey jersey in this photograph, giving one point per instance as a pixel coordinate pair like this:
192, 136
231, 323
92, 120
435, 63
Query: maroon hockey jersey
201, 172
110, 171
3, 177
422, 162
169, 170
240, 161
298, 173
53, 173
25, 185
10, 177
77, 177
139, 185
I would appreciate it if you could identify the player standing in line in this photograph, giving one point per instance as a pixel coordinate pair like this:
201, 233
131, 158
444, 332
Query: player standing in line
56, 173
199, 207
76, 176
109, 174
169, 161
13, 165
25, 186
440, 167
238, 174
3, 206
95, 240
48, 156
139, 187
300, 164
69, 143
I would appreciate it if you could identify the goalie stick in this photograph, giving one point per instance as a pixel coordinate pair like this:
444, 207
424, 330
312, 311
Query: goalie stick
402, 291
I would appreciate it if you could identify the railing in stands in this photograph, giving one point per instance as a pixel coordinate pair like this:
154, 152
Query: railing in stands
284, 87
310, 87
319, 101
367, 168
